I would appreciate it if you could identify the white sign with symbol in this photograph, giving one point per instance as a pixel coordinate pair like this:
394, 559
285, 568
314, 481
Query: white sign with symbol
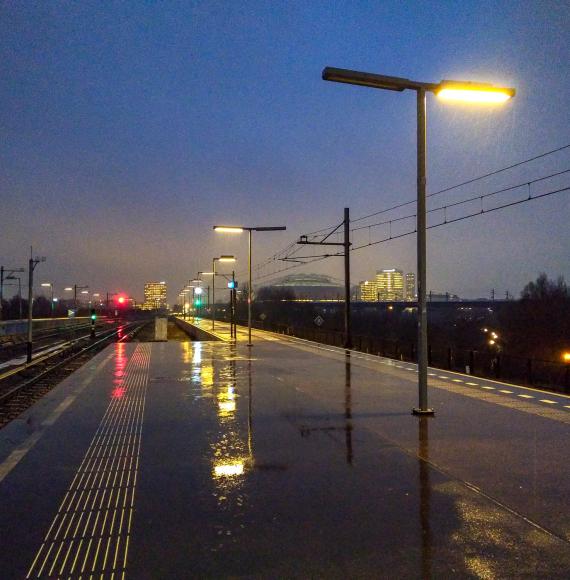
319, 320
263, 316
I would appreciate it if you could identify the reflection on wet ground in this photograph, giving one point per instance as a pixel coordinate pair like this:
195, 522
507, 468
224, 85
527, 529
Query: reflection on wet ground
269, 478
282, 462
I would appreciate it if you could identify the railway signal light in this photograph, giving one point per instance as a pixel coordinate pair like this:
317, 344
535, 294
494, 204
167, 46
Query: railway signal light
93, 319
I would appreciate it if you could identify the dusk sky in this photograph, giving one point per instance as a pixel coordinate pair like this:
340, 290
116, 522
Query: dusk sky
128, 129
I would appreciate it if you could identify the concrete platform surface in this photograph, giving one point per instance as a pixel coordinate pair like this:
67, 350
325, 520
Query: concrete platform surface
282, 460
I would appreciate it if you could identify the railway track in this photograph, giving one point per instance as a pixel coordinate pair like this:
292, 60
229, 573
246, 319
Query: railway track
15, 345
22, 386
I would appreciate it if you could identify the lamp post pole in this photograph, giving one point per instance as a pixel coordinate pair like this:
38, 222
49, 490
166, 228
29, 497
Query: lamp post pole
422, 255
222, 258
249, 286
50, 286
239, 230
449, 90
213, 292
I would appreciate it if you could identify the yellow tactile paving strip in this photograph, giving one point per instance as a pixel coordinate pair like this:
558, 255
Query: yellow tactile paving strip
89, 535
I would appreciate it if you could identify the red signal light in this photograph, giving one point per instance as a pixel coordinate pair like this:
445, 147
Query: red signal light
121, 300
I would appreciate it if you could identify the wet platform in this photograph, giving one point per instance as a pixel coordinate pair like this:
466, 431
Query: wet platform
283, 460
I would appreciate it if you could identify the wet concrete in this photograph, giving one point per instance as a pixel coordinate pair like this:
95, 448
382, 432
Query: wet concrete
289, 461
174, 332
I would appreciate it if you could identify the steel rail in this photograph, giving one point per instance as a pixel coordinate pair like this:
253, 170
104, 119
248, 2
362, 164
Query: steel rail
65, 347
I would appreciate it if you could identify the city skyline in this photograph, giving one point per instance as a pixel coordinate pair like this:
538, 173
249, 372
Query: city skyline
116, 169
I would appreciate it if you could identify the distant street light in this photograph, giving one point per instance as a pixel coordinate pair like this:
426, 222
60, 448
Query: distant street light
214, 260
447, 90
74, 289
239, 230
52, 303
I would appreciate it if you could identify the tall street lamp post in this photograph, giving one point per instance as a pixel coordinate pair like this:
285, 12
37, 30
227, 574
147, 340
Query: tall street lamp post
74, 289
448, 90
207, 288
214, 260
50, 286
239, 230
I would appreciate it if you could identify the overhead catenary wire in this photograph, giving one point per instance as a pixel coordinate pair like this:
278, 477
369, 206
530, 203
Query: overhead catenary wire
463, 183
413, 231
461, 218
293, 250
468, 200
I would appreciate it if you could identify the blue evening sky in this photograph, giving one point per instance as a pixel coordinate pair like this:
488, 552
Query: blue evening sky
129, 128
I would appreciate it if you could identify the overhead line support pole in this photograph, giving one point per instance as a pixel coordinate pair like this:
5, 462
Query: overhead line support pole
303, 240
347, 306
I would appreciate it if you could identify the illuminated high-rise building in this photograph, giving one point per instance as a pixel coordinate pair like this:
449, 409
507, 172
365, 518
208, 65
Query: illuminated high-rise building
155, 296
410, 292
368, 291
390, 285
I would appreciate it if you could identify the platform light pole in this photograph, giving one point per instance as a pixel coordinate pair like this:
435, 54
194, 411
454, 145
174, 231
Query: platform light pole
50, 286
448, 90
214, 260
199, 274
250, 230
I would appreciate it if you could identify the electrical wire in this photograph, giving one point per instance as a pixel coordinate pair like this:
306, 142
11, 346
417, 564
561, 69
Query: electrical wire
461, 218
293, 249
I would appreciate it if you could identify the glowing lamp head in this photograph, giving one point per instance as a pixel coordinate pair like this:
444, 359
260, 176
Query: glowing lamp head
228, 229
473, 92
198, 290
566, 357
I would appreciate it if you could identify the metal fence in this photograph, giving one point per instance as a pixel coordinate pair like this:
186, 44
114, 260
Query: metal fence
551, 375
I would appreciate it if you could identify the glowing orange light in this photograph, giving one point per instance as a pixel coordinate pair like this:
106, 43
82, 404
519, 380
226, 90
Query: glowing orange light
566, 357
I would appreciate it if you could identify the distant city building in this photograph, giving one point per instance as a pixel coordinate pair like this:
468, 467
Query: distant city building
390, 285
410, 291
154, 296
368, 291
311, 287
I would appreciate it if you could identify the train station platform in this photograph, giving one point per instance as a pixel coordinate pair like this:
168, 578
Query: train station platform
286, 459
